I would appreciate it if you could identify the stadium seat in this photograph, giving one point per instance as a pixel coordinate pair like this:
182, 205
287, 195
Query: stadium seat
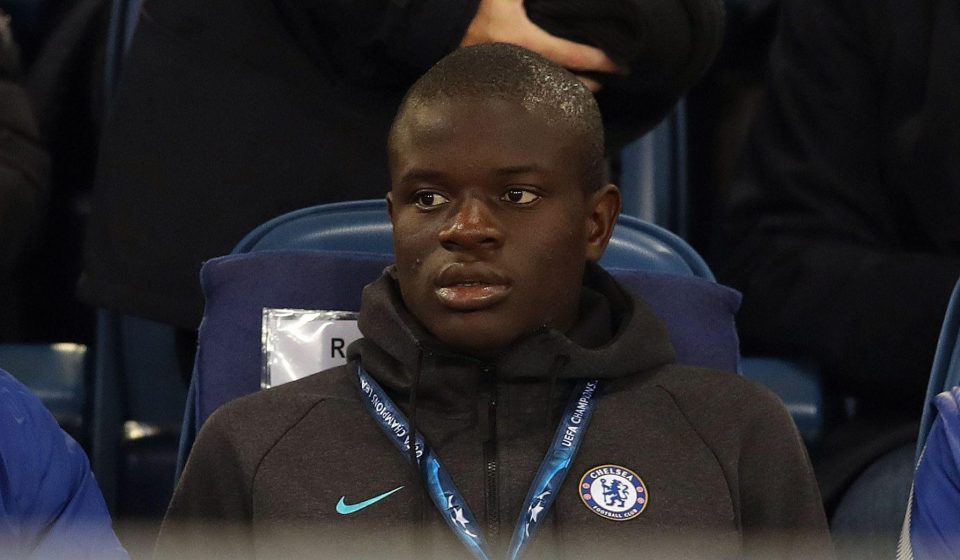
56, 374
320, 257
363, 226
653, 174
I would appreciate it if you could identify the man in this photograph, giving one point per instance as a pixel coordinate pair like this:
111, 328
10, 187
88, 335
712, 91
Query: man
494, 325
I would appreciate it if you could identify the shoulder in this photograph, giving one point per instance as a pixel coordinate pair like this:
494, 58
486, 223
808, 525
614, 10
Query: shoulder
719, 403
31, 442
703, 386
758, 448
254, 423
45, 477
236, 439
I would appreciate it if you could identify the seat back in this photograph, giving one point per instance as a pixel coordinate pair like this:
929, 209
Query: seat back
636, 245
365, 226
56, 373
321, 257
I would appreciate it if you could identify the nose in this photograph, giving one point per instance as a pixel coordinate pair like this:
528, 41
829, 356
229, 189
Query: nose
472, 227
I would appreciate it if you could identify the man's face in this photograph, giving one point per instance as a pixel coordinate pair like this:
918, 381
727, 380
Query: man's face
492, 225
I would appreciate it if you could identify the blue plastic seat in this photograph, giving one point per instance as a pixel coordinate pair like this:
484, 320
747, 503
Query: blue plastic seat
364, 226
653, 174
57, 374
320, 257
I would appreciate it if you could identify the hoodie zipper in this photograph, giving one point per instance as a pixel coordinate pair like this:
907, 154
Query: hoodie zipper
490, 461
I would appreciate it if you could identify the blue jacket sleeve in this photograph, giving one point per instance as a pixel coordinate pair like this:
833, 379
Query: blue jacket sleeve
50, 504
935, 516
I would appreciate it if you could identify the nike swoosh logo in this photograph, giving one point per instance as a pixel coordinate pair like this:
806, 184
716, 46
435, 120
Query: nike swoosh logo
344, 509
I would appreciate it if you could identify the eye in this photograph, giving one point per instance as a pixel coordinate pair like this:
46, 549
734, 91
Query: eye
428, 199
520, 196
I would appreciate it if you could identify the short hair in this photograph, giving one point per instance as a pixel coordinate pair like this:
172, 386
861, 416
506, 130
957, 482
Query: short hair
512, 73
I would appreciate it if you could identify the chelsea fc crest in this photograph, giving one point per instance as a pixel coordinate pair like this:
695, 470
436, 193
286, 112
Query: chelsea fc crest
613, 492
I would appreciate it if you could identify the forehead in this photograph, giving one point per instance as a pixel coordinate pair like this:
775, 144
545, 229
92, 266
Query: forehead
482, 133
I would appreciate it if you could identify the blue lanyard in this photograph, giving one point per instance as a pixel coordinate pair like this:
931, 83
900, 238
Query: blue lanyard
444, 493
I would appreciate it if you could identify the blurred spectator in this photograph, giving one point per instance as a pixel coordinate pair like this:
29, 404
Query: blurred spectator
50, 505
843, 235
230, 114
24, 181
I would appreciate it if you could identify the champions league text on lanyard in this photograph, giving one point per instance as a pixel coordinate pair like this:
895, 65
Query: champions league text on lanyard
444, 493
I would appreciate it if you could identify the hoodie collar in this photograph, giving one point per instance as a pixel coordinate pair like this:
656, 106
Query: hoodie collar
616, 335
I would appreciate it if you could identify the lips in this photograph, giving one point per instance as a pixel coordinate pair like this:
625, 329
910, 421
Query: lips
470, 287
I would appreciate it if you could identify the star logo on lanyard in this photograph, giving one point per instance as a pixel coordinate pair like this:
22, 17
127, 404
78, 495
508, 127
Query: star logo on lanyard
456, 515
533, 512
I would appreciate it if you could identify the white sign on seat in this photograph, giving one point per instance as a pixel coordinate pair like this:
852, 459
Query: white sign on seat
300, 342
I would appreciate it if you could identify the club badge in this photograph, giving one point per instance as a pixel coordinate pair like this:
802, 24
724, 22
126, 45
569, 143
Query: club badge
613, 492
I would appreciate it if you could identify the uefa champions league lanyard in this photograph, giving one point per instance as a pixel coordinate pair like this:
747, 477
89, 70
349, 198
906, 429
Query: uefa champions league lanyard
444, 493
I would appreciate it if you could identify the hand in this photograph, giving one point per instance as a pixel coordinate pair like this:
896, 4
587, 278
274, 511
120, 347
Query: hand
506, 21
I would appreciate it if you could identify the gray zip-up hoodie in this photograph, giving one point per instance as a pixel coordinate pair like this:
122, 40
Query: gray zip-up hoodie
724, 471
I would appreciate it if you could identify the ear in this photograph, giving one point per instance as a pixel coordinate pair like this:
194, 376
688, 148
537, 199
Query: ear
603, 207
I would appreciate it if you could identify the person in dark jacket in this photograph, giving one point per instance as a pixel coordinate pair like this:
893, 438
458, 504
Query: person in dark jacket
228, 114
494, 325
843, 234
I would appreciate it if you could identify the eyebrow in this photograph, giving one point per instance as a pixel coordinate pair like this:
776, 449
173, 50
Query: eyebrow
519, 169
418, 174
423, 175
